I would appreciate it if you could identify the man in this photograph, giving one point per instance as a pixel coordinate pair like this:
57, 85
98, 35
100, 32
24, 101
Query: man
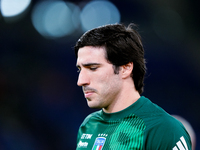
112, 67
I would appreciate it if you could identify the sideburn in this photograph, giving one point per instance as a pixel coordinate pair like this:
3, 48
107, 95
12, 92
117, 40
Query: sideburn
116, 69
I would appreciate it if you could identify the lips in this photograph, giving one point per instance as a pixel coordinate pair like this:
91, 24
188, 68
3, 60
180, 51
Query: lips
88, 93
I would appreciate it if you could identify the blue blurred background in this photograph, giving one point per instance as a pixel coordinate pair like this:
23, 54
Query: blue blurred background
41, 106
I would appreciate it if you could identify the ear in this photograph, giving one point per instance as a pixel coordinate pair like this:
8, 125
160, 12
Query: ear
127, 70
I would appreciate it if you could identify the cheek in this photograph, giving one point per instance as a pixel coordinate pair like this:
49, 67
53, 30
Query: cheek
105, 80
102, 82
103, 77
109, 83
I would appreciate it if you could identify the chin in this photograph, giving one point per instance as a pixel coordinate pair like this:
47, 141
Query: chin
92, 105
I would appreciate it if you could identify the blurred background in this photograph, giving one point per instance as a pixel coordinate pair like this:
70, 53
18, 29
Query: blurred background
41, 107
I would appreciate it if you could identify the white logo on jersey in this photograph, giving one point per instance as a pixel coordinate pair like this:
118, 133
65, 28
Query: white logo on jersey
86, 136
82, 144
181, 144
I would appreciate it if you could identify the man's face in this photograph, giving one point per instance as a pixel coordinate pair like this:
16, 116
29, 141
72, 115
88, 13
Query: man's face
100, 85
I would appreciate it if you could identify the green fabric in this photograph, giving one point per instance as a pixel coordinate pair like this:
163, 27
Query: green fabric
143, 125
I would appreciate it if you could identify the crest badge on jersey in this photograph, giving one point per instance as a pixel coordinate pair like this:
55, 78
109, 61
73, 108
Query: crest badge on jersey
99, 143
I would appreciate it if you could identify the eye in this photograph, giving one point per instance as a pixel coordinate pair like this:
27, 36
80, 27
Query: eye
93, 68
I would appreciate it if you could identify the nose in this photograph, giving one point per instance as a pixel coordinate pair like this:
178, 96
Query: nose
83, 79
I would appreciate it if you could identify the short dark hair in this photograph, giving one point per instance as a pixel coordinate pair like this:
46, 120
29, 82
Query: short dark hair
122, 44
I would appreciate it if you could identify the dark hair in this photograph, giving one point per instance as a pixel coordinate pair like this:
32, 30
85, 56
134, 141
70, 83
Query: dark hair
123, 45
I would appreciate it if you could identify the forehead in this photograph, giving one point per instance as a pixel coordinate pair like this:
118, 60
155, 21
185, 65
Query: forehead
88, 54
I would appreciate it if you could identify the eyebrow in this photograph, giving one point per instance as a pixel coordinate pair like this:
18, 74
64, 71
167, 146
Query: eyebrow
88, 64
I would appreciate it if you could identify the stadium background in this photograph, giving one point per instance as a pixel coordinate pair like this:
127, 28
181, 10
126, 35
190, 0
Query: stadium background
41, 106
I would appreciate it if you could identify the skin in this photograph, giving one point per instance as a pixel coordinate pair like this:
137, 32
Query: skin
102, 88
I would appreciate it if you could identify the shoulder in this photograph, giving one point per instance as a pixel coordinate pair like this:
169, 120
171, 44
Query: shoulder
87, 123
165, 124
93, 116
163, 131
167, 133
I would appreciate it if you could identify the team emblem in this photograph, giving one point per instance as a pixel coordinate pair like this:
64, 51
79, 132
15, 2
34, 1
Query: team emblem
99, 142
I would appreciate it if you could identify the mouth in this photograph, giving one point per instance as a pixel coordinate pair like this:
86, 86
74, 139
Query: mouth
88, 93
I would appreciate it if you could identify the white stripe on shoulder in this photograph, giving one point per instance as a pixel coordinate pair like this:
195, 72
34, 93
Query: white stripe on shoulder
181, 144
184, 142
175, 148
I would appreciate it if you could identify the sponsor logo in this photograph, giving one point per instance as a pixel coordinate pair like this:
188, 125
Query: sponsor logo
181, 145
82, 144
86, 136
99, 143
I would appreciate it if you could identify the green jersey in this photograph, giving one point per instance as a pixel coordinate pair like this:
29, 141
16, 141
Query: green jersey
141, 126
